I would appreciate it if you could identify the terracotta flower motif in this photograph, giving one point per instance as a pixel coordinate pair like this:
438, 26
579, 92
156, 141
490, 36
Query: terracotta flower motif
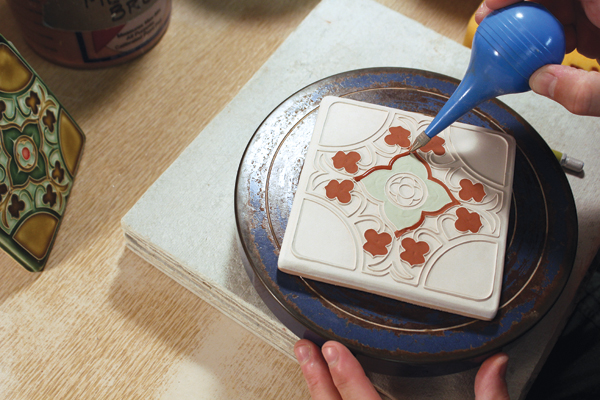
346, 161
467, 221
414, 252
33, 101
471, 191
436, 145
398, 135
339, 190
377, 242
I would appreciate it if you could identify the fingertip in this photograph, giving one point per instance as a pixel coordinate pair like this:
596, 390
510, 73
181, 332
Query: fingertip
543, 82
331, 354
497, 364
302, 350
501, 362
481, 12
488, 6
315, 371
335, 353
347, 373
490, 382
575, 89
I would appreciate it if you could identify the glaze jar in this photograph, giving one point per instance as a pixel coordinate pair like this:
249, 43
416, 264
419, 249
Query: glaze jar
92, 33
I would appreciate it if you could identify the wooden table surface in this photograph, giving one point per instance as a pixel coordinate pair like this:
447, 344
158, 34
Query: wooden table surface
99, 322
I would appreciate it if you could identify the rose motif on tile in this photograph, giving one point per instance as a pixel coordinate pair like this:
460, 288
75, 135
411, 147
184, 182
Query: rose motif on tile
339, 190
398, 136
414, 252
467, 221
469, 191
33, 101
24, 147
346, 161
408, 192
436, 145
377, 243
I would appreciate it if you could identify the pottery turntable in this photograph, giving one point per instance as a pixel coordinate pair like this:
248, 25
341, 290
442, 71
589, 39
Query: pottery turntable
387, 335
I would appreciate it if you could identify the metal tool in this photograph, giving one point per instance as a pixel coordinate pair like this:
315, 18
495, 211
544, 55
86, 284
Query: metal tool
568, 162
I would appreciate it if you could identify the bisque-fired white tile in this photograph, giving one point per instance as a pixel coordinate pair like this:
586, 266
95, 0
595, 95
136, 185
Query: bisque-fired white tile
429, 229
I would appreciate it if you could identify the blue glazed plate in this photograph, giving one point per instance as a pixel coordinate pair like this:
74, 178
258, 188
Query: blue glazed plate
390, 336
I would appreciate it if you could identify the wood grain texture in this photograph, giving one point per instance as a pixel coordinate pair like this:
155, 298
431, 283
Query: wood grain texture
100, 323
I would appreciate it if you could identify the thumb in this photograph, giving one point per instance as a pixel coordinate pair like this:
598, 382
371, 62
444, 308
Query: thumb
576, 89
489, 382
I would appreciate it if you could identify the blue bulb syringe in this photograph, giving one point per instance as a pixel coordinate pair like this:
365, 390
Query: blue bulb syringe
509, 45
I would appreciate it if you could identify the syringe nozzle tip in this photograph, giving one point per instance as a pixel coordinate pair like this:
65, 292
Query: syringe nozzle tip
419, 142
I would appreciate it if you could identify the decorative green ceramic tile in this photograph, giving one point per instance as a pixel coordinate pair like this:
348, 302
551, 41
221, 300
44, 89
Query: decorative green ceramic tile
40, 149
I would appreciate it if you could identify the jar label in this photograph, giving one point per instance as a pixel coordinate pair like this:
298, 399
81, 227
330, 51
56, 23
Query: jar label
93, 15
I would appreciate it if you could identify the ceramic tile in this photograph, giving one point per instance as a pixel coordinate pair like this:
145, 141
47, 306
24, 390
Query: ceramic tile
39, 154
428, 228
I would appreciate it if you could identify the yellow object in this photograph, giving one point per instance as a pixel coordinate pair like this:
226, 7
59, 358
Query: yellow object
471, 28
36, 234
573, 59
71, 139
15, 74
557, 154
